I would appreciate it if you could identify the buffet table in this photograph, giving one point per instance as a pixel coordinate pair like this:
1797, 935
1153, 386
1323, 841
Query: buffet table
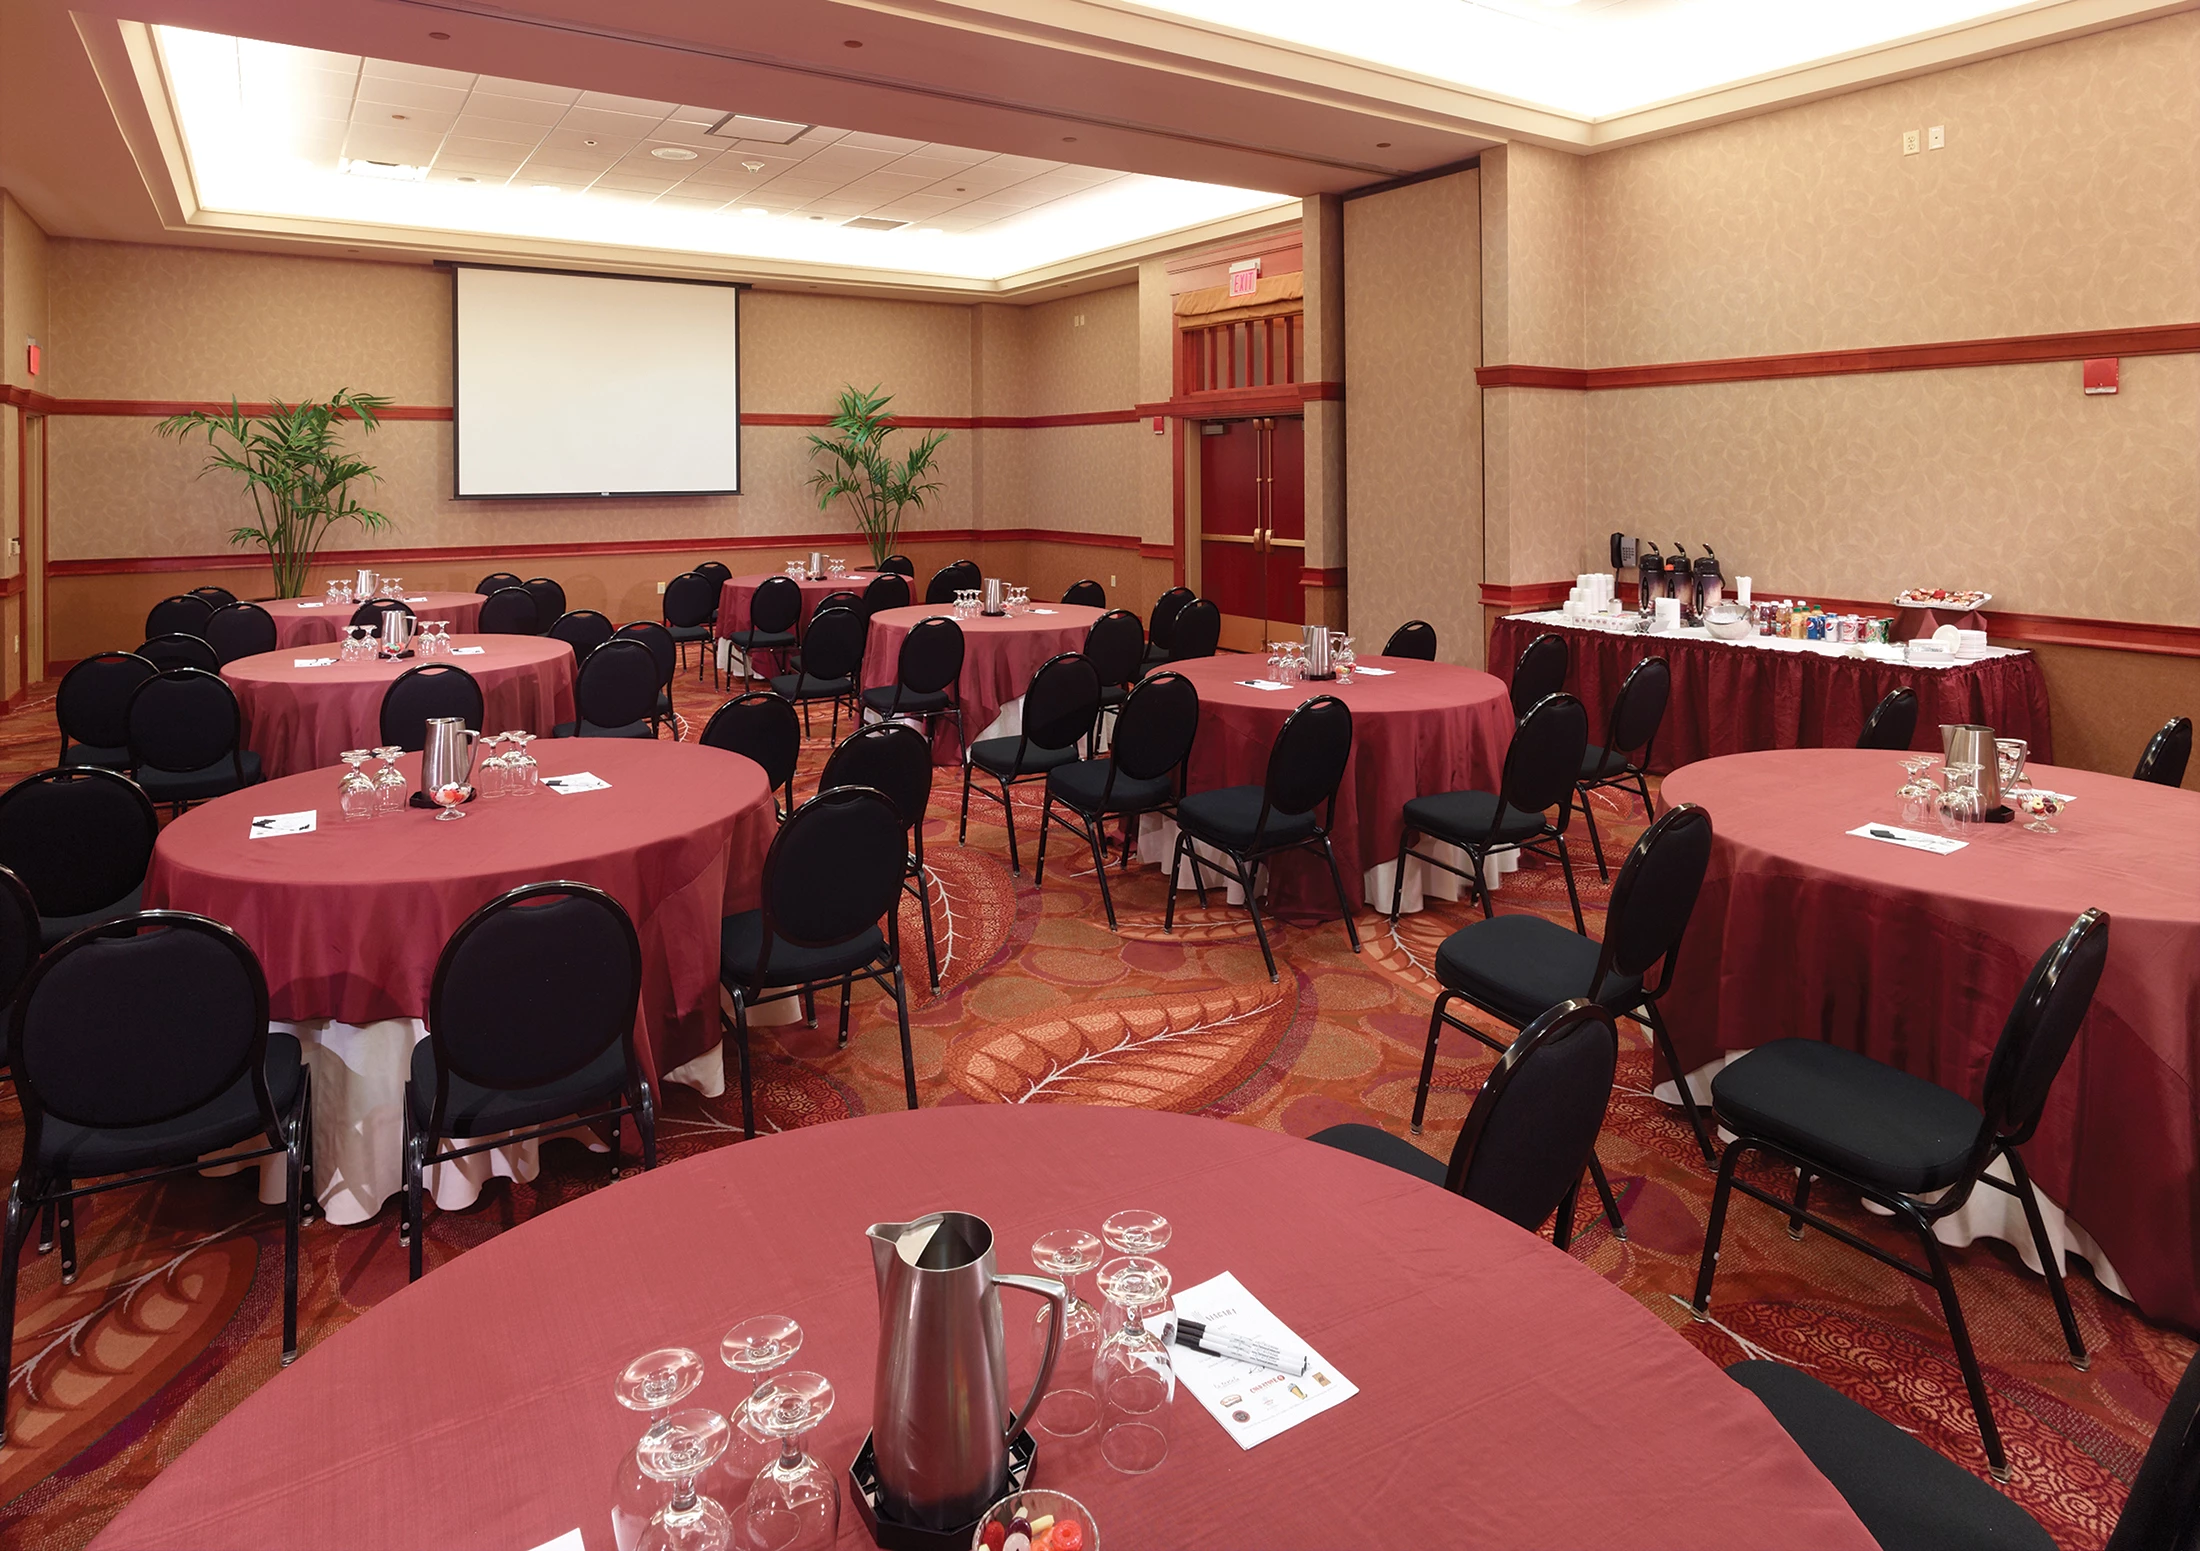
1765, 692
1508, 1396
1803, 930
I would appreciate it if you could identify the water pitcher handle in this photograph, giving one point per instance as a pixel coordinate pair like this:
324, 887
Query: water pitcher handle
1058, 1295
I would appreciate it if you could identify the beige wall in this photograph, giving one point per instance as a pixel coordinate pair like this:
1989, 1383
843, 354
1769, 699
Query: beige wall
24, 269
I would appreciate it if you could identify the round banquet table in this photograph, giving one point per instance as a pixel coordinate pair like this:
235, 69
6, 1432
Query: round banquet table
1803, 930
348, 921
1417, 728
303, 718
999, 658
309, 621
735, 592
1509, 1397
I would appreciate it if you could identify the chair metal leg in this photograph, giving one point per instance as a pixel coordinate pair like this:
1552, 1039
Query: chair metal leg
1664, 1043
415, 1167
1699, 1304
1248, 878
1966, 1359
1802, 1204
1008, 818
1176, 863
847, 995
1046, 813
48, 1216
901, 1019
11, 1254
1398, 884
614, 1141
1562, 1226
645, 1121
1351, 929
1428, 1059
1589, 816
809, 1007
67, 1208
962, 833
1099, 862
293, 1211
1477, 867
2050, 1262
1573, 895
1604, 1194
741, 1050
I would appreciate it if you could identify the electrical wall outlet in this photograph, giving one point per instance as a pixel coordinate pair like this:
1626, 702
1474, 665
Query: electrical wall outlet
660, 588
1909, 142
1936, 138
1111, 578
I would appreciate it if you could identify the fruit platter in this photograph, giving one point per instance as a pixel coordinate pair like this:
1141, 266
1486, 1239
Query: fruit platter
1953, 598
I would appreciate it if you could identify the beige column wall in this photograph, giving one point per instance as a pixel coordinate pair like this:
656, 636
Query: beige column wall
1327, 543
24, 316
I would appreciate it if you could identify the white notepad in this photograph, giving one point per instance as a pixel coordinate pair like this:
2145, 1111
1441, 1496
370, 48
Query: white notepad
1262, 684
1916, 840
311, 662
285, 824
468, 651
579, 781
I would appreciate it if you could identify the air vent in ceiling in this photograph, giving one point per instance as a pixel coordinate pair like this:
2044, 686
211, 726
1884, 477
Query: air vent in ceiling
740, 126
871, 223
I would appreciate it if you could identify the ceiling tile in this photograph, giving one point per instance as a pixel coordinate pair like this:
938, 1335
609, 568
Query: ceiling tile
480, 166
606, 121
312, 58
397, 70
690, 114
642, 105
589, 147
401, 95
372, 115
518, 110
496, 131
882, 143
678, 201
471, 149
552, 172
638, 182
927, 165
390, 145
534, 91
694, 136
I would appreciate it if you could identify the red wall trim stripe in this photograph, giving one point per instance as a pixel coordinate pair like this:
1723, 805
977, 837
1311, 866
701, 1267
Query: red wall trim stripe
1321, 576
1280, 399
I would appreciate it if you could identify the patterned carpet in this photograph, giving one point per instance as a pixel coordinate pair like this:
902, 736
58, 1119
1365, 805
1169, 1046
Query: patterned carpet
175, 1315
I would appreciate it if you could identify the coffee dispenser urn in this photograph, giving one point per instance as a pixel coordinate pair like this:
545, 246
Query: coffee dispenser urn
1679, 576
1707, 582
1650, 573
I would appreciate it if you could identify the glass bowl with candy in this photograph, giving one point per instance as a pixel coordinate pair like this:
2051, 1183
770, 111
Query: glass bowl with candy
1036, 1520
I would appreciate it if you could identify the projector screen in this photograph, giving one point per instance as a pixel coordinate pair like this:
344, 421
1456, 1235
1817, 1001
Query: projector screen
590, 385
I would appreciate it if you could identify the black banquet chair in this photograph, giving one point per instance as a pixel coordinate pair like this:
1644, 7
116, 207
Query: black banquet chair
832, 657
1533, 1129
1892, 723
216, 598
1908, 1144
1195, 632
1143, 773
582, 629
431, 689
20, 944
1292, 810
184, 739
1623, 758
894, 758
1116, 645
508, 611
961, 576
530, 1032
1538, 779
691, 609
184, 614
774, 610
1087, 592
1161, 623
925, 675
887, 590
92, 707
761, 725
899, 565
666, 650
615, 695
834, 870
181, 651
549, 601
80, 840
1540, 671
2167, 753
1059, 709
495, 582
375, 610
717, 570
1416, 638
138, 1047
240, 630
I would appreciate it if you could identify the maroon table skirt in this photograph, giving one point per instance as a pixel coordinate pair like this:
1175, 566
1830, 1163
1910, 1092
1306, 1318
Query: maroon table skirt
304, 718
999, 658
1805, 931
1509, 1397
309, 621
1734, 699
735, 592
348, 921
1426, 727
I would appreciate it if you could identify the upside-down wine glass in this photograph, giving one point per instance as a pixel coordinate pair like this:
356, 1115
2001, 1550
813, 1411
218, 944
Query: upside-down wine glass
524, 776
795, 1504
689, 1445
355, 793
654, 1382
1133, 1231
1133, 1371
757, 1347
389, 781
1071, 1405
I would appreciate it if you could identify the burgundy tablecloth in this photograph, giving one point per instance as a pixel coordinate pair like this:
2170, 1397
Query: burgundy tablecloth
303, 718
1803, 930
348, 921
1731, 699
1427, 727
308, 621
999, 658
1509, 1397
735, 592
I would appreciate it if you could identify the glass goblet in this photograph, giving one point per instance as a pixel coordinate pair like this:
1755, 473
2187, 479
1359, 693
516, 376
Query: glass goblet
2039, 805
355, 792
1071, 1405
448, 796
524, 776
689, 1445
756, 1347
1133, 1372
491, 773
389, 781
795, 1504
654, 1382
1134, 1231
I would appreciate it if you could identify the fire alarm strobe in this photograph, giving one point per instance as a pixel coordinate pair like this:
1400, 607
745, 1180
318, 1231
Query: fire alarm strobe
32, 355
2100, 375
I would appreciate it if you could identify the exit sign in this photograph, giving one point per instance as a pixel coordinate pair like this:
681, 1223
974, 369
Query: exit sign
1244, 277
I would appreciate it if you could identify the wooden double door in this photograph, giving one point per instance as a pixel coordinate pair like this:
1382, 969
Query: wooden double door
1252, 526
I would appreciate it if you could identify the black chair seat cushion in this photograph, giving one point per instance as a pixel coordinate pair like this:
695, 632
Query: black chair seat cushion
1113, 695
761, 640
690, 632
1601, 763
1228, 816
641, 729
998, 755
1870, 1121
83, 754
739, 938
1910, 1498
1521, 966
1379, 1146
51, 929
1155, 654
914, 702
473, 1111
1464, 817
1081, 785
79, 1152
804, 686
191, 785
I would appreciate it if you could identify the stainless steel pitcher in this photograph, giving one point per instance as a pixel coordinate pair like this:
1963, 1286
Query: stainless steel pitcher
1968, 743
1320, 663
364, 584
995, 590
397, 632
940, 1424
448, 755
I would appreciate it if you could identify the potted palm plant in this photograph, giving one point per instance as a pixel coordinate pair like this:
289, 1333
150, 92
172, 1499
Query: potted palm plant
858, 468
296, 470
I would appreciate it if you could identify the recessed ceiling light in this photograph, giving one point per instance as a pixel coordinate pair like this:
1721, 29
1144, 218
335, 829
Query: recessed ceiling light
851, 43
1069, 139
1382, 145
588, 142
465, 178
398, 116
669, 153
440, 37
753, 166
960, 189
817, 218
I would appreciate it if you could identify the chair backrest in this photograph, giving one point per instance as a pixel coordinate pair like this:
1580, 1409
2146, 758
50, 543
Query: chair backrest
717, 570
2040, 1028
1654, 896
1527, 1140
1116, 643
1195, 631
19, 939
1893, 722
431, 689
534, 986
1415, 638
1639, 708
1156, 725
658, 639
1307, 761
508, 611
2167, 753
834, 869
900, 565
1544, 759
184, 614
888, 590
833, 649
691, 599
549, 600
776, 604
373, 610
839, 598
618, 685
216, 597
78, 839
1540, 671
582, 629
948, 580
184, 719
181, 651
2163, 1509
894, 758
240, 630
1163, 618
495, 582
92, 704
1063, 700
931, 655
138, 1021
1087, 592
764, 726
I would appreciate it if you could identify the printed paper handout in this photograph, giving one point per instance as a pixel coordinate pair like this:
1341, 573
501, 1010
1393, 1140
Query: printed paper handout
1252, 1403
1916, 840
285, 824
579, 781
